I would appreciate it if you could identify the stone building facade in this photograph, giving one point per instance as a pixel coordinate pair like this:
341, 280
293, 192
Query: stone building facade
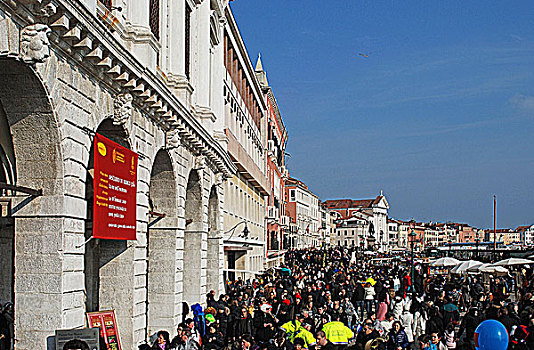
352, 231
149, 76
276, 222
303, 209
245, 139
375, 211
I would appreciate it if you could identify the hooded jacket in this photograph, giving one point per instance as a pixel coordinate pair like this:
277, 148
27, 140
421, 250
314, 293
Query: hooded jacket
397, 340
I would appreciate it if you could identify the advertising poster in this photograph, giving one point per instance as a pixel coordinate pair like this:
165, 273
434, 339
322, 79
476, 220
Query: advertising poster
105, 320
115, 189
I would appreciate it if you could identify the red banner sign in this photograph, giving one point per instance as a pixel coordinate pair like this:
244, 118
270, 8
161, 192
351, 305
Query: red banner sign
105, 320
115, 189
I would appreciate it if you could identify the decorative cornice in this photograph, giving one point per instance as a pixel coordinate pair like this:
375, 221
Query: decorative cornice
77, 33
179, 82
203, 112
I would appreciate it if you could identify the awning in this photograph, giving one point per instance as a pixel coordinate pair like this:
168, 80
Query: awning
275, 253
236, 248
244, 271
243, 242
278, 259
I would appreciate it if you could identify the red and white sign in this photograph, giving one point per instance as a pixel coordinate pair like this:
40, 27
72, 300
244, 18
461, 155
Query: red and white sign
115, 189
106, 321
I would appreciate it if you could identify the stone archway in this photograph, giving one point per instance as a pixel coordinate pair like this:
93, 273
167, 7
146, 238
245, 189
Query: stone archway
161, 246
214, 277
7, 224
32, 238
194, 280
108, 264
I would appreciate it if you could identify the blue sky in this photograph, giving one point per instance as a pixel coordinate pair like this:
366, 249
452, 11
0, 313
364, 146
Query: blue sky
440, 115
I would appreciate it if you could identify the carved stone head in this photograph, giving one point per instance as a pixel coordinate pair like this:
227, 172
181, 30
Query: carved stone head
200, 162
173, 139
219, 179
34, 44
122, 108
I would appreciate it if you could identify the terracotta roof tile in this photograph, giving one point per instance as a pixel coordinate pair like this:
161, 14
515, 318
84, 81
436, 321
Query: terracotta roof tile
352, 203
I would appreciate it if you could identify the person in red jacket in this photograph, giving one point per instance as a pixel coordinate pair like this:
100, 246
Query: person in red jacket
407, 283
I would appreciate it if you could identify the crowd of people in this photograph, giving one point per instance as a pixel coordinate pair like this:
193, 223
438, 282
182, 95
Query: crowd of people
322, 300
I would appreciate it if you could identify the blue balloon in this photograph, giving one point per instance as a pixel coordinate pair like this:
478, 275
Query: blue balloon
491, 335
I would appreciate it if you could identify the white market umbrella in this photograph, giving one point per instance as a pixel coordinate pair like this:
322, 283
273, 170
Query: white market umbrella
445, 262
477, 268
464, 266
513, 261
493, 269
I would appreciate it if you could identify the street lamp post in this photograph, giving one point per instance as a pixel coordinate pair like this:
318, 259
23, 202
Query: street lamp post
494, 228
244, 233
412, 235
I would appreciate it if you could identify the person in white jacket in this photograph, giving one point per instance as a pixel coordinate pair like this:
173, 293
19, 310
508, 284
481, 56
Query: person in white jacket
420, 317
397, 305
407, 322
369, 297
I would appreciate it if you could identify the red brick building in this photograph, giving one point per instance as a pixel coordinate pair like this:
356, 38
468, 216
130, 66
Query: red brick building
276, 172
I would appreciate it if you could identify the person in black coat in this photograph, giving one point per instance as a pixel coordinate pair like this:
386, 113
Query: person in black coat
367, 333
324, 343
210, 299
213, 340
435, 321
470, 323
264, 324
6, 326
5, 337
357, 299
243, 324
506, 320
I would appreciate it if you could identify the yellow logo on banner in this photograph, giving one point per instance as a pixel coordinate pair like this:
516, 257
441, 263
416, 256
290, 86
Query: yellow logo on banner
117, 156
101, 149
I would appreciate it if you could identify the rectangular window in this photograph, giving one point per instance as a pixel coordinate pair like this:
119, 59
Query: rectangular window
154, 17
292, 195
226, 53
187, 42
106, 3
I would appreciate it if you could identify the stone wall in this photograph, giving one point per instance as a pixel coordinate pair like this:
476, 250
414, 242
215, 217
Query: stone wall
50, 250
52, 104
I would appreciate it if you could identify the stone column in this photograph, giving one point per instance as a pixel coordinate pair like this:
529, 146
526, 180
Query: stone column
176, 32
203, 48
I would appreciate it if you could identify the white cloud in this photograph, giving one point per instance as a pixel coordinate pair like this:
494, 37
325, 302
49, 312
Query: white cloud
523, 102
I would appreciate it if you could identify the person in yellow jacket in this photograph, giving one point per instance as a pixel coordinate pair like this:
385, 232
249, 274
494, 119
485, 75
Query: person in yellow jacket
292, 328
305, 334
337, 333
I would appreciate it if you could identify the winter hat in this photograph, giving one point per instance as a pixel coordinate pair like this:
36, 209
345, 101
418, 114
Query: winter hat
265, 307
209, 318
